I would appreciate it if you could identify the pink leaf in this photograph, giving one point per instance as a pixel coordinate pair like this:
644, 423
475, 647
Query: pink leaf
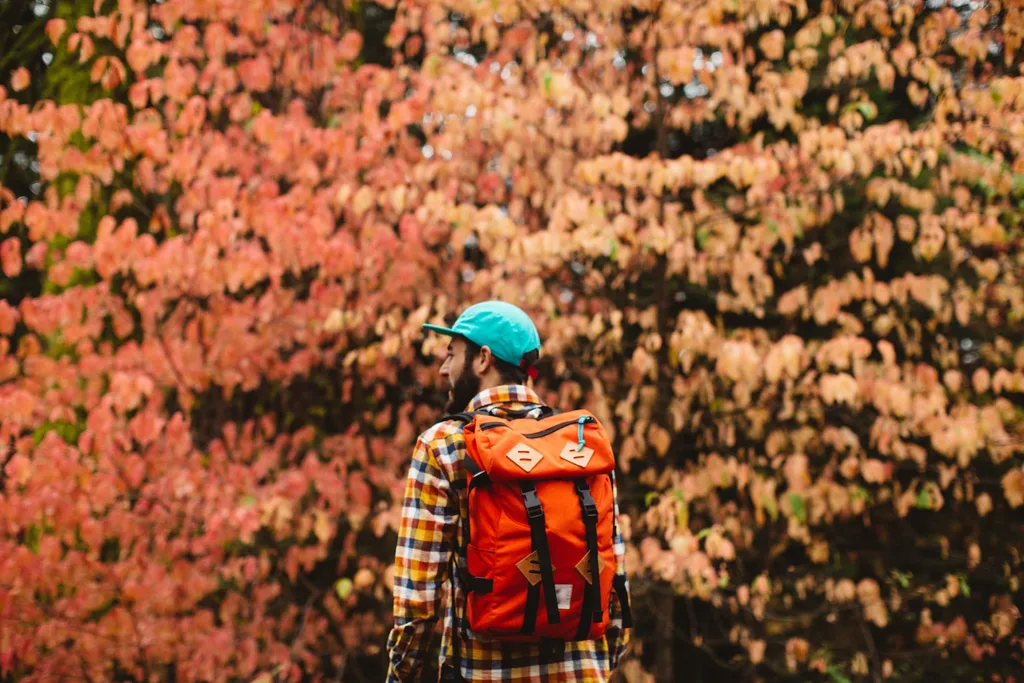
20, 79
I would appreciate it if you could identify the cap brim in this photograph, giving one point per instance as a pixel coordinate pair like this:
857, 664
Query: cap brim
441, 330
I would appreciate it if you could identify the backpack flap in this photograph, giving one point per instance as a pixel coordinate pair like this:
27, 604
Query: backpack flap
563, 446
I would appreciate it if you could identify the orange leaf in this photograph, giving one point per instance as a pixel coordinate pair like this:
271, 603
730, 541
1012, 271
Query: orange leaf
10, 257
350, 46
20, 79
55, 28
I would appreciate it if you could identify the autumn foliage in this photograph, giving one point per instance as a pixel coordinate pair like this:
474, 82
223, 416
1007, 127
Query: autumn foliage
776, 246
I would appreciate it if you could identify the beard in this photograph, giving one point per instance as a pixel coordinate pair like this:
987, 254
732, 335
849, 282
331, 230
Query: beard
464, 390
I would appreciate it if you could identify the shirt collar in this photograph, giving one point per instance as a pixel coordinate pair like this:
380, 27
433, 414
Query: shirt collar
506, 393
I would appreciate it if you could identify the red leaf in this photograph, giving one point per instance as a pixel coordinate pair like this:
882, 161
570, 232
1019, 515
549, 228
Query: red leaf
8, 317
10, 256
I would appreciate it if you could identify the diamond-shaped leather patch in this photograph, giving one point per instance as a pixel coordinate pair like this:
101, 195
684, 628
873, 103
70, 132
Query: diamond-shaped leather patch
583, 567
581, 458
525, 456
530, 567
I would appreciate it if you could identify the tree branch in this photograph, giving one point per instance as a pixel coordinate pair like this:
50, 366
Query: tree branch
876, 665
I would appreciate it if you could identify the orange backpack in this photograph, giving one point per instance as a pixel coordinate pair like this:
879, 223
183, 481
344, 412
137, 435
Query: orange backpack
540, 527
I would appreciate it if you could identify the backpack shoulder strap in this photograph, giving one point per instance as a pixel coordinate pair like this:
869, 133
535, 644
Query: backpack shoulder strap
538, 412
476, 474
465, 417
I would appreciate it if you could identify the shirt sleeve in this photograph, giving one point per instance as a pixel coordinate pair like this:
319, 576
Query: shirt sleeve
425, 540
616, 636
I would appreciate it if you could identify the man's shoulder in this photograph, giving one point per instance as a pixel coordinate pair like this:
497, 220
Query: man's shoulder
441, 432
443, 444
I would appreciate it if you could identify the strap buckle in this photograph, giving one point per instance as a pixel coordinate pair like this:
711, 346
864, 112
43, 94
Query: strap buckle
587, 501
533, 506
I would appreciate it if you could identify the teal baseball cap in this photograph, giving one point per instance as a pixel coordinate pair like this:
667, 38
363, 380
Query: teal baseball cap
504, 328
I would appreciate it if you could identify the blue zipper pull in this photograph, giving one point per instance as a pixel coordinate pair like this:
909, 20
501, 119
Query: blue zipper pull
583, 420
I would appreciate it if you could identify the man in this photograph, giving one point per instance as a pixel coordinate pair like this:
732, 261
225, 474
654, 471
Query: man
492, 352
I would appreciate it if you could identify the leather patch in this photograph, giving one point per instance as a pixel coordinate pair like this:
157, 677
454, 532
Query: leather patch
580, 458
583, 567
529, 566
525, 456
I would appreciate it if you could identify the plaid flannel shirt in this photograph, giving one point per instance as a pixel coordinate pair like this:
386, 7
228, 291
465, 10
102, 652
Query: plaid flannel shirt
426, 591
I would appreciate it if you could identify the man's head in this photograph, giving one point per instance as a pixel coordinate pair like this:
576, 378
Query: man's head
492, 343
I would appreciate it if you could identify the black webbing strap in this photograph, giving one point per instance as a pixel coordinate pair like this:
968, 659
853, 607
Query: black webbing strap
623, 593
539, 540
480, 585
466, 417
532, 607
467, 462
477, 477
619, 582
592, 591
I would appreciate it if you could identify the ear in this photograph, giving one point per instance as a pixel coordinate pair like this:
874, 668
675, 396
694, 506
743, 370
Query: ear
483, 362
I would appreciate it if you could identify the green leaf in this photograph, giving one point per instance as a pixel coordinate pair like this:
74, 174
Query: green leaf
54, 343
703, 533
901, 578
923, 500
343, 587
650, 498
774, 227
79, 278
65, 430
1018, 185
702, 237
866, 110
33, 535
248, 500
547, 81
799, 507
771, 507
723, 581
965, 588
613, 248
836, 674
862, 493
